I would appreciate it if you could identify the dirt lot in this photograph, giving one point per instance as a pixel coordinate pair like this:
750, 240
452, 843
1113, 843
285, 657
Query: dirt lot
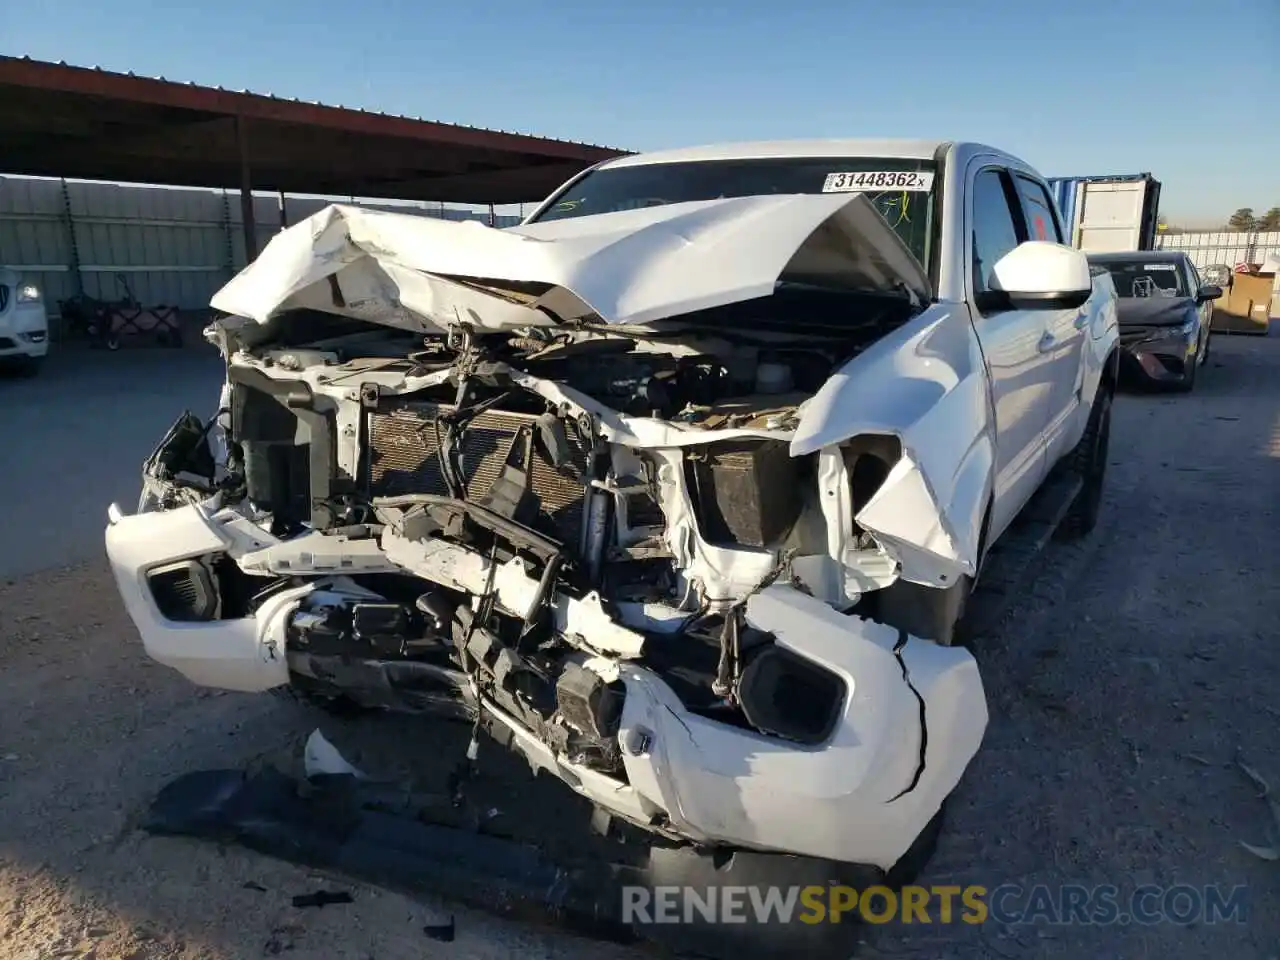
1121, 689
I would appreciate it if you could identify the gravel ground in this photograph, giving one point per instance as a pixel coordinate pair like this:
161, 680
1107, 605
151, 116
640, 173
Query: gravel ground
1121, 688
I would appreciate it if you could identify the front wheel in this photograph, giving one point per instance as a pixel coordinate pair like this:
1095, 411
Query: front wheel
1089, 461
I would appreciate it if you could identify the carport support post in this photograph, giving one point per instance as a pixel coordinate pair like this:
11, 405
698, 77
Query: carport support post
73, 251
246, 192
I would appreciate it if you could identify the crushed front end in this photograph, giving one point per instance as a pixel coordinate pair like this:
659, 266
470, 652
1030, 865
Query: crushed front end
593, 543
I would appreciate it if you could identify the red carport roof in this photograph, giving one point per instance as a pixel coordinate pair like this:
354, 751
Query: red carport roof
58, 120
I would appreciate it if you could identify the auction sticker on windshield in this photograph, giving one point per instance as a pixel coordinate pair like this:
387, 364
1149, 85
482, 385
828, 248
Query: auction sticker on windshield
866, 180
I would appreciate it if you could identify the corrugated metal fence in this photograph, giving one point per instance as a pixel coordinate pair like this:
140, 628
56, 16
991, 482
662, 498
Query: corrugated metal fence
170, 247
1208, 249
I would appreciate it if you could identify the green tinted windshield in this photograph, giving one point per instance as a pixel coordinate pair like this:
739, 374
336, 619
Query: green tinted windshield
902, 190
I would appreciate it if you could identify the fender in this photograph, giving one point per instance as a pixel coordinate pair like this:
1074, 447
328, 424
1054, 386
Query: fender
926, 384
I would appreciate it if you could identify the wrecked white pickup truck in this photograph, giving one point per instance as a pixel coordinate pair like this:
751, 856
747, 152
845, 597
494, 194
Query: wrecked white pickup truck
677, 488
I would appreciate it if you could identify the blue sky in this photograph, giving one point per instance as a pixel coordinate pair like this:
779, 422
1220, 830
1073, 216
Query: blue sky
1178, 88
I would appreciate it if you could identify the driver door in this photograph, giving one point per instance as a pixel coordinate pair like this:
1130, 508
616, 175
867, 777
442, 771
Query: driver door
1018, 368
1065, 330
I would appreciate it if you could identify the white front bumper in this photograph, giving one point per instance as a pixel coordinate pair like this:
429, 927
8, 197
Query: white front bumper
913, 716
862, 797
243, 654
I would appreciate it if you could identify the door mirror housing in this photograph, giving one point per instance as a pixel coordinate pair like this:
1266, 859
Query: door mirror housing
1209, 291
1041, 275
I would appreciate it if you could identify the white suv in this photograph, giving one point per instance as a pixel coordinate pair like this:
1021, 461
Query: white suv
24, 325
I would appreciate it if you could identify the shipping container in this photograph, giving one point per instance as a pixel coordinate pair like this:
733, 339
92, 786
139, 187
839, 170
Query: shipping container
1110, 213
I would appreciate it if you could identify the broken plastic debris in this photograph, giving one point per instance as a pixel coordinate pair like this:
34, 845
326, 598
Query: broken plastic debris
331, 828
321, 758
443, 932
322, 898
1262, 853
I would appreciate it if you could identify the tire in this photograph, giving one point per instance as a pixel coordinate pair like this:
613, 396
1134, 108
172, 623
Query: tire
1089, 461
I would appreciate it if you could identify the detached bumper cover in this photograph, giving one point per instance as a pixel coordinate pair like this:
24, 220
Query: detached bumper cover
244, 654
912, 720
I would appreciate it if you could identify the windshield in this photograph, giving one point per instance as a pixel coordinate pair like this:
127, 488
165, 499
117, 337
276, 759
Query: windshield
901, 190
1138, 278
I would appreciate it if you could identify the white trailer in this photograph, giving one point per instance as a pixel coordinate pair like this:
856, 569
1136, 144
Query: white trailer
1109, 214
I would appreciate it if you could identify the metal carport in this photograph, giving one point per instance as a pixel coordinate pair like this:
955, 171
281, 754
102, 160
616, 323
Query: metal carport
75, 122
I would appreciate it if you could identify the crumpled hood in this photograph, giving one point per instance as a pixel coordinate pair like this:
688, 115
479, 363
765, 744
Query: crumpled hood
1153, 311
634, 267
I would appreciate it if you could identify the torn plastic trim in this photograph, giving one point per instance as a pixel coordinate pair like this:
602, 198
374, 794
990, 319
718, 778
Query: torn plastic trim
246, 654
905, 519
925, 384
619, 798
516, 592
317, 554
726, 785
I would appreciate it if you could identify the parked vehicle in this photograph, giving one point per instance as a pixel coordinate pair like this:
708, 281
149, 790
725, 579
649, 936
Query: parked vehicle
1109, 213
678, 488
24, 325
1165, 313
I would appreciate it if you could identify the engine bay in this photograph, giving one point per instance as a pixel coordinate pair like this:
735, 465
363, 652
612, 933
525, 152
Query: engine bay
503, 520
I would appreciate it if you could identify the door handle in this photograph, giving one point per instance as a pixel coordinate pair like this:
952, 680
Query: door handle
1047, 342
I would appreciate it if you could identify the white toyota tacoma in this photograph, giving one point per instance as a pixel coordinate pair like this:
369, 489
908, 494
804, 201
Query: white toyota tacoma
677, 488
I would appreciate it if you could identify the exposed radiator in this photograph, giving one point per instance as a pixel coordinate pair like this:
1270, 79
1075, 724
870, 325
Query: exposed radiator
404, 458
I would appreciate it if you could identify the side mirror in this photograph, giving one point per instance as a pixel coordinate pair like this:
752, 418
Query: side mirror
1042, 275
1210, 291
